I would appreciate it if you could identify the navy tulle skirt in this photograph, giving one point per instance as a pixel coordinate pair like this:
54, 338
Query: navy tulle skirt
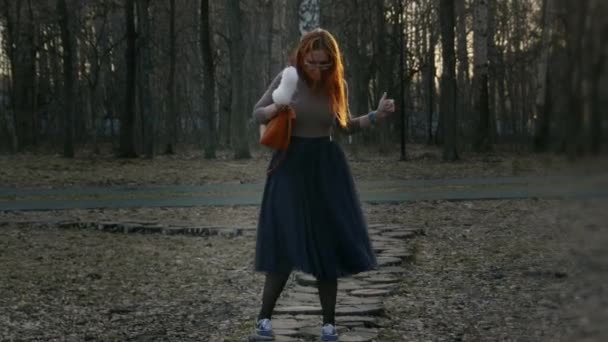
310, 218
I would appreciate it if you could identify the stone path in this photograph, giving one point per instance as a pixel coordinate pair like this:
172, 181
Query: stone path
361, 298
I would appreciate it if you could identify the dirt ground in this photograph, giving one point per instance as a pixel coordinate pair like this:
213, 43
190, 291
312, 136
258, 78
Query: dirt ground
524, 270
517, 270
51, 170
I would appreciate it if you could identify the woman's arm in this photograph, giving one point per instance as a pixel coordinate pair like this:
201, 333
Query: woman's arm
354, 125
265, 109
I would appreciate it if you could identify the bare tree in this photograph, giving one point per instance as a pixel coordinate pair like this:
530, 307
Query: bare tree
172, 116
127, 124
146, 109
239, 114
463, 81
8, 114
480, 79
599, 46
206, 44
68, 42
448, 81
542, 123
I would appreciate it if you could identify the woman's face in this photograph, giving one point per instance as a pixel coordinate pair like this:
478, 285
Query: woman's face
315, 62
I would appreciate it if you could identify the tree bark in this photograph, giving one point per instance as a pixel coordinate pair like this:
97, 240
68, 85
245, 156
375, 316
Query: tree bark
172, 116
127, 124
575, 25
208, 79
480, 79
67, 41
542, 124
448, 81
9, 112
239, 114
463, 100
146, 109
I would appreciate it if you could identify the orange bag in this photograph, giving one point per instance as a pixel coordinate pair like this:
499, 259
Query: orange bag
278, 132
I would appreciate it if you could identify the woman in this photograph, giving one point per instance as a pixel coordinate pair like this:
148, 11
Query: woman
310, 217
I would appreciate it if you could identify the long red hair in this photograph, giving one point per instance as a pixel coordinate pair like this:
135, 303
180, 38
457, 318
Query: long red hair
333, 78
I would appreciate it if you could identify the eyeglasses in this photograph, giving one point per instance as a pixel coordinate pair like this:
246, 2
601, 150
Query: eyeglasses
320, 66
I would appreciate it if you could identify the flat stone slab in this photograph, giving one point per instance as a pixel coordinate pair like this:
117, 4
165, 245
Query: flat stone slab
400, 235
297, 310
287, 323
383, 280
303, 297
358, 300
351, 284
366, 309
366, 320
371, 292
388, 261
280, 338
358, 336
385, 239
389, 270
403, 255
306, 289
306, 279
284, 332
382, 286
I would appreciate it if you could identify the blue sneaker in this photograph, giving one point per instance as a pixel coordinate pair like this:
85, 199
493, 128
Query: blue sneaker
263, 330
329, 333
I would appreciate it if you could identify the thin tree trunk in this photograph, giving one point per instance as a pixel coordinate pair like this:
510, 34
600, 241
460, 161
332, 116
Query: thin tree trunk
541, 127
238, 113
430, 85
480, 81
463, 100
596, 107
146, 68
9, 113
67, 40
208, 79
448, 81
277, 57
172, 116
575, 29
127, 124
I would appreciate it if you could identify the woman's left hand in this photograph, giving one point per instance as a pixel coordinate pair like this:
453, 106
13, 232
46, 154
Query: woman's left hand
385, 107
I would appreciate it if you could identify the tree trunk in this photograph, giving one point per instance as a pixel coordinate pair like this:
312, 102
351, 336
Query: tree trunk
575, 28
172, 116
448, 81
430, 81
22, 65
463, 100
480, 79
67, 41
541, 127
239, 114
598, 68
127, 124
147, 112
208, 79
9, 112
277, 55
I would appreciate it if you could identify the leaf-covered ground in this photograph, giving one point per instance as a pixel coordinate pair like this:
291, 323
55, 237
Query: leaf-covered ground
485, 271
51, 170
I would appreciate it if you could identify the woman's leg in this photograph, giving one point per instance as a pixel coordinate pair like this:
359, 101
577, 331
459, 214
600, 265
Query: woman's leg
275, 282
328, 291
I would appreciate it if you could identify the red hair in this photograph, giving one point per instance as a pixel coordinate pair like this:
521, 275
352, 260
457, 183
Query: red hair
320, 39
